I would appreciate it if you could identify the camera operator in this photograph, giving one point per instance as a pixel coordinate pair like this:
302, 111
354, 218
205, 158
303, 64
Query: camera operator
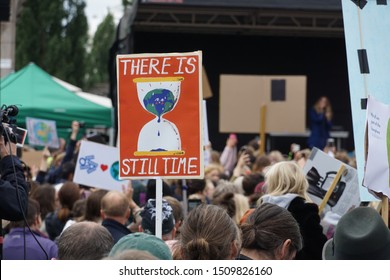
13, 185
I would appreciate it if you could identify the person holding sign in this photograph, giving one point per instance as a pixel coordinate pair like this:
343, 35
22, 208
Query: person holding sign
287, 187
320, 116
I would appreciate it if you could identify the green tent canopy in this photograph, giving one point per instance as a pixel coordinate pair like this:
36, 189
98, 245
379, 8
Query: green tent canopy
37, 95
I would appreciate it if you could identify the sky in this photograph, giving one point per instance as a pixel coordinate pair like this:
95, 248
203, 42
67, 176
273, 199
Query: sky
96, 11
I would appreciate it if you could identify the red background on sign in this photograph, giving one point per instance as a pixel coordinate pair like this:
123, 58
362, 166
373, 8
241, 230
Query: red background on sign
185, 115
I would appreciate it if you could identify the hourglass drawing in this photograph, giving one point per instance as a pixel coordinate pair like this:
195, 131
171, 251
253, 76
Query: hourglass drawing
159, 96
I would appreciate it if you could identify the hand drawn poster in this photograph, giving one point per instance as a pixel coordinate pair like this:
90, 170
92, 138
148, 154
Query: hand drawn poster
160, 115
320, 171
98, 166
42, 132
376, 173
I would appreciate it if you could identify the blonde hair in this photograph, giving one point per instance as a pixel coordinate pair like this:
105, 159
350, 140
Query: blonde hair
242, 205
213, 166
286, 177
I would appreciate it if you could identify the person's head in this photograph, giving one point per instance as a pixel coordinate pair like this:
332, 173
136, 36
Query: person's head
84, 241
261, 162
92, 211
196, 186
177, 209
226, 201
151, 189
132, 255
78, 209
361, 234
33, 217
275, 157
143, 242
222, 188
115, 205
67, 195
250, 182
208, 233
46, 195
271, 232
148, 224
286, 177
213, 172
321, 103
67, 170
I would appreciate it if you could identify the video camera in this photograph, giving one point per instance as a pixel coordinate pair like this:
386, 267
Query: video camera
8, 126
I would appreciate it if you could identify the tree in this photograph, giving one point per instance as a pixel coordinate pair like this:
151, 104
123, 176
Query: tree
99, 55
53, 34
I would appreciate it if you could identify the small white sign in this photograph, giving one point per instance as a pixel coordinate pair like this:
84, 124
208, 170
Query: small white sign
98, 166
376, 173
42, 132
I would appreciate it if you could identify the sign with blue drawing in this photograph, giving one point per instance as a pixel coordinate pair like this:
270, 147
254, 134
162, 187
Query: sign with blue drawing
367, 37
42, 132
98, 166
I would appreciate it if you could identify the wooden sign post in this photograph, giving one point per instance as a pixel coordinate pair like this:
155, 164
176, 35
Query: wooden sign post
331, 188
263, 115
385, 209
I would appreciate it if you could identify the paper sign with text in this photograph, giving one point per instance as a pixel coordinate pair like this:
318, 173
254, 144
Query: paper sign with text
376, 173
160, 115
42, 132
98, 166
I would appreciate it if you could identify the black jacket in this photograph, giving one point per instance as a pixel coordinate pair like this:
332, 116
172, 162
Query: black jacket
13, 189
116, 229
308, 219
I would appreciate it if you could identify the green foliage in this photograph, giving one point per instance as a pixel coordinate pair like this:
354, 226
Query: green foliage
99, 55
53, 34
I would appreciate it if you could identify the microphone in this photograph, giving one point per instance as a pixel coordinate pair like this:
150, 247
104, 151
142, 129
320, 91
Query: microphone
12, 110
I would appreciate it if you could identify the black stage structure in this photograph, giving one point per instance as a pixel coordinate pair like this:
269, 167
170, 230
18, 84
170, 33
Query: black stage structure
257, 37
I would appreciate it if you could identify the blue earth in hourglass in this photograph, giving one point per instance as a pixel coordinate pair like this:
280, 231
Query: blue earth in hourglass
159, 101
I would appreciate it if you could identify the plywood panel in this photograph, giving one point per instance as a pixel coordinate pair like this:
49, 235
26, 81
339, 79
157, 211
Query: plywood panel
242, 95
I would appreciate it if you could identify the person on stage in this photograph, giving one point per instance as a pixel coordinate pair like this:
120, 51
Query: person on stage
320, 117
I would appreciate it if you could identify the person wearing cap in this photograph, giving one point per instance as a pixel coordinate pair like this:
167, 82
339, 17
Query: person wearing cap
142, 242
361, 234
115, 212
148, 224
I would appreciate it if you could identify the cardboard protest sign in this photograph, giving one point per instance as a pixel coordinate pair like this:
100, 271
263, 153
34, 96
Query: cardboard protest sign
320, 171
42, 132
98, 166
243, 95
376, 175
160, 115
367, 38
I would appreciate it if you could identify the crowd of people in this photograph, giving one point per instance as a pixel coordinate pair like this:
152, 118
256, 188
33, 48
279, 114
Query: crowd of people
251, 206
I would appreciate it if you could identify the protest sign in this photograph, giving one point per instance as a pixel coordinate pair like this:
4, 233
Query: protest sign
320, 170
367, 38
98, 166
376, 173
42, 132
160, 115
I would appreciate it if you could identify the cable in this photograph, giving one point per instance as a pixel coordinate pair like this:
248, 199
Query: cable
20, 203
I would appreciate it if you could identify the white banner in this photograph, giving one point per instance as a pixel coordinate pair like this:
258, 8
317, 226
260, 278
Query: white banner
98, 166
